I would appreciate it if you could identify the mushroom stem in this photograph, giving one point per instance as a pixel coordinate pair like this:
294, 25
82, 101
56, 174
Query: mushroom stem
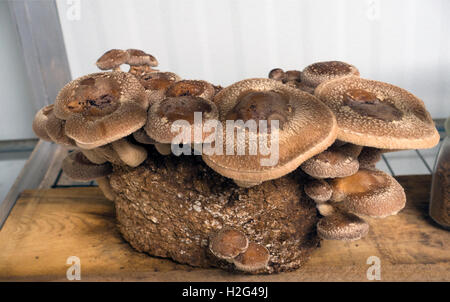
105, 187
130, 154
325, 209
246, 184
163, 149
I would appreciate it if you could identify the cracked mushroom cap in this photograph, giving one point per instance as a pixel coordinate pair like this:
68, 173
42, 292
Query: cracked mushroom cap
369, 192
101, 108
318, 190
112, 59
376, 114
40, 121
334, 162
195, 88
320, 72
78, 167
342, 226
228, 243
306, 128
255, 258
163, 114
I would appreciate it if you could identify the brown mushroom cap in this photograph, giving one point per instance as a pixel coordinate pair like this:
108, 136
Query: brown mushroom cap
164, 113
56, 131
158, 80
342, 226
369, 192
139, 57
228, 243
40, 121
377, 114
277, 74
318, 190
102, 107
320, 72
306, 128
112, 59
369, 157
78, 167
195, 88
255, 258
334, 162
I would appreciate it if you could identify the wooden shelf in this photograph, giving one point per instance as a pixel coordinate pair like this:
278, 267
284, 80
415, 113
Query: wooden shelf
47, 226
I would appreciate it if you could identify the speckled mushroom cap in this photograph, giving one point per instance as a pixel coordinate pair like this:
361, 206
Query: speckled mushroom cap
306, 128
158, 80
320, 72
334, 162
139, 57
40, 121
369, 192
377, 114
255, 258
228, 243
112, 59
318, 190
342, 226
163, 114
195, 88
78, 167
102, 107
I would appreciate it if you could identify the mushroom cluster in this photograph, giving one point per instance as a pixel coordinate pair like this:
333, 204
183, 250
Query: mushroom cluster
326, 121
372, 117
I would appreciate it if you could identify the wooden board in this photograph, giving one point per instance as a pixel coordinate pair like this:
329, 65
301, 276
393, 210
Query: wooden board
47, 226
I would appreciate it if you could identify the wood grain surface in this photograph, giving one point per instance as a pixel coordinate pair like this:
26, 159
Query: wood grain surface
47, 226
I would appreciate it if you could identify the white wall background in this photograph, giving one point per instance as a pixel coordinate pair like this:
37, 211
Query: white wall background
403, 42
16, 104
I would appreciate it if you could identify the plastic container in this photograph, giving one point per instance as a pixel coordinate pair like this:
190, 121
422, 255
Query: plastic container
440, 188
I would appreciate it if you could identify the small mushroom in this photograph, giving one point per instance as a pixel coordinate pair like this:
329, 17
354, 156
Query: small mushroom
277, 74
369, 192
228, 243
369, 157
255, 258
78, 167
334, 162
140, 62
376, 114
93, 156
101, 108
319, 72
318, 190
40, 121
299, 137
342, 226
112, 59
